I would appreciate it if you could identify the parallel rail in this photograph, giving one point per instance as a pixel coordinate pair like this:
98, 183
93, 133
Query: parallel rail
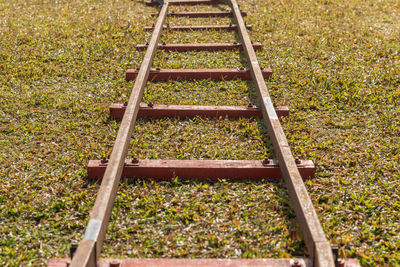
317, 244
89, 248
293, 171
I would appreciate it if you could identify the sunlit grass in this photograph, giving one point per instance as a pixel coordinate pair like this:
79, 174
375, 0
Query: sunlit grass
336, 65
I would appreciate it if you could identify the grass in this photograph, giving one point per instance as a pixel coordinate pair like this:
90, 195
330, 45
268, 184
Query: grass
336, 65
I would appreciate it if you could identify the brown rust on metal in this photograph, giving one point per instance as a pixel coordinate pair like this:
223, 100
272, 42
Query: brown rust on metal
189, 111
89, 248
190, 74
187, 2
201, 169
305, 262
232, 27
206, 14
200, 47
314, 236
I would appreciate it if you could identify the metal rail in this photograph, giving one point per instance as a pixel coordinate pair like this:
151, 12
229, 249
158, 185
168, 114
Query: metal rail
89, 248
318, 246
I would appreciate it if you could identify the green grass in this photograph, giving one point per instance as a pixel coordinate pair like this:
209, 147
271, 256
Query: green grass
336, 65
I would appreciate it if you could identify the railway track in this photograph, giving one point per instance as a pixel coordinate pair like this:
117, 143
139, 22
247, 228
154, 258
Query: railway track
285, 166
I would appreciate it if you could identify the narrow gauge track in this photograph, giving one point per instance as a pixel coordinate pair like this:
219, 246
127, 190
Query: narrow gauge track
293, 171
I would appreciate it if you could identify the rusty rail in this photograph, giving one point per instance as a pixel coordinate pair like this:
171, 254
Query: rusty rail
89, 248
318, 246
285, 166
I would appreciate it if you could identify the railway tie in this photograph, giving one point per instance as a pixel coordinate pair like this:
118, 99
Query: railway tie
285, 166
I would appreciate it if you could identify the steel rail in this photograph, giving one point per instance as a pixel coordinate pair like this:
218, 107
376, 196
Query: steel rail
89, 248
317, 244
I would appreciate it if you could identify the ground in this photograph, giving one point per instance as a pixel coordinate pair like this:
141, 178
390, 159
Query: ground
336, 65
